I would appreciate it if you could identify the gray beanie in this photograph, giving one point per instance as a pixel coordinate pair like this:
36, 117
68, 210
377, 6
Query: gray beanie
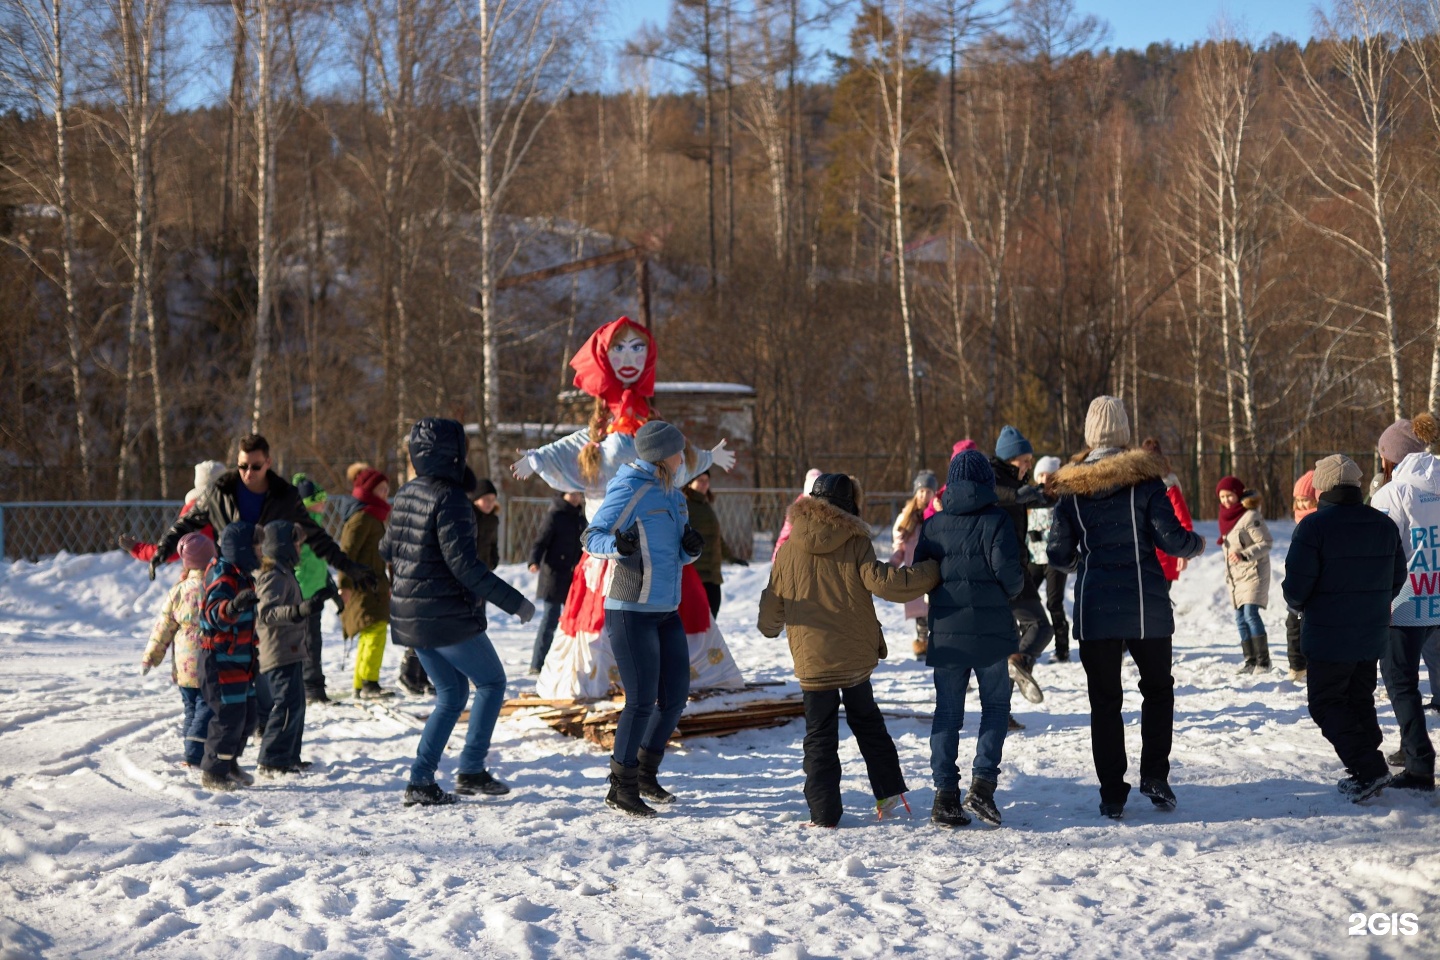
1336, 471
1107, 424
925, 480
658, 440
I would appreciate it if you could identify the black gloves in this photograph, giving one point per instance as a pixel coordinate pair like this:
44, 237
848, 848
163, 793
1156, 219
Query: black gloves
327, 592
155, 563
526, 613
363, 577
244, 602
1031, 496
628, 541
308, 608
691, 541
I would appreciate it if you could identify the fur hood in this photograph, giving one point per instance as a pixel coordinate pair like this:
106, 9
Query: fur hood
1098, 478
818, 527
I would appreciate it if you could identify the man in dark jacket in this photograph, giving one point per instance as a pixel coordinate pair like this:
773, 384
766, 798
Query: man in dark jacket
1014, 456
253, 493
1345, 566
437, 605
1113, 514
553, 556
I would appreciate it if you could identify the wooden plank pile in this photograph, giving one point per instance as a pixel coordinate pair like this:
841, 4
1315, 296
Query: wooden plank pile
595, 720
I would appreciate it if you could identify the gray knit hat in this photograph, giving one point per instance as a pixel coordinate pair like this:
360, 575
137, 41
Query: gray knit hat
1107, 424
658, 440
925, 480
1336, 471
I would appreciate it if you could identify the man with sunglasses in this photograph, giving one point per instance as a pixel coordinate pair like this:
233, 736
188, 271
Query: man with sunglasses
253, 493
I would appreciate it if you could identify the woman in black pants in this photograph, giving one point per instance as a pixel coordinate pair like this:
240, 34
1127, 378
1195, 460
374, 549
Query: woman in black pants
1113, 513
643, 528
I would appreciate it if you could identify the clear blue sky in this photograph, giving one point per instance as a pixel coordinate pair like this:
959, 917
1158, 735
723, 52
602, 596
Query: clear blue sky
1133, 23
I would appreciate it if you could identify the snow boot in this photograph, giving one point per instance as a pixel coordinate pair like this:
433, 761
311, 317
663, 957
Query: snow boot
1159, 793
240, 776
887, 806
211, 780
371, 690
1115, 811
948, 811
469, 784
1012, 725
1363, 788
274, 773
1261, 644
428, 795
316, 695
1020, 667
981, 801
1413, 781
1396, 759
922, 638
624, 794
649, 786
1248, 667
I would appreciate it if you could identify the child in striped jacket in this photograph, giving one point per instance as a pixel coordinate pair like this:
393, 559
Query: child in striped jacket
228, 657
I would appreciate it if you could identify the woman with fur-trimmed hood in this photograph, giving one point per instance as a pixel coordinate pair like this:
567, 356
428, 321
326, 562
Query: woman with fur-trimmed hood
820, 594
1113, 513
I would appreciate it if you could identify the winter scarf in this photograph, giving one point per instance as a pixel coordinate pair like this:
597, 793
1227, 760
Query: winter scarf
1229, 516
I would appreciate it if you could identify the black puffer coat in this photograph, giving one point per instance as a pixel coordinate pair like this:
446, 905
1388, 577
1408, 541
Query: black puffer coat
439, 585
557, 549
1345, 567
1113, 514
980, 570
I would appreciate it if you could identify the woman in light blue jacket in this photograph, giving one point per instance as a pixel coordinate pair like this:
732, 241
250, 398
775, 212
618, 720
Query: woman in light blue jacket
643, 526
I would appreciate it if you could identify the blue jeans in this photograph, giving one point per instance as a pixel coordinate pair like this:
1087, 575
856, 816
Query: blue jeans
950, 684
549, 620
450, 668
1247, 618
653, 657
197, 723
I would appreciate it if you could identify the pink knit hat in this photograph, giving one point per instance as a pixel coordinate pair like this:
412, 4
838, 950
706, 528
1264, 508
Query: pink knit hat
196, 551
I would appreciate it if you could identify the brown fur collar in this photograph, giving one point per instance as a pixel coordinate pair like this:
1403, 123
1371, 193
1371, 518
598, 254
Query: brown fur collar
823, 527
1101, 477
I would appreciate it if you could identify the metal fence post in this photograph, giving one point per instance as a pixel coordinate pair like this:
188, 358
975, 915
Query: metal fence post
2, 532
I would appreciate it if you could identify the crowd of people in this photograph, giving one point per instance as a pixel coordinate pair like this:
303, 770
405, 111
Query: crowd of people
970, 560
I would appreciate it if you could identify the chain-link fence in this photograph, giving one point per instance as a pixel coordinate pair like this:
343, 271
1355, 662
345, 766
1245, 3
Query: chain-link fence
29, 531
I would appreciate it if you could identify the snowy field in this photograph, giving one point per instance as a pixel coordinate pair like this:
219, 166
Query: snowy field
108, 848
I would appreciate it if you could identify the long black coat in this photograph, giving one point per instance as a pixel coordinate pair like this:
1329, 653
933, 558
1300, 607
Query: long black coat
557, 549
439, 584
1113, 514
219, 506
1345, 567
980, 571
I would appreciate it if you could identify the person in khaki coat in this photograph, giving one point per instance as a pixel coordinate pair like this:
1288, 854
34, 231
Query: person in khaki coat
1246, 542
820, 593
367, 612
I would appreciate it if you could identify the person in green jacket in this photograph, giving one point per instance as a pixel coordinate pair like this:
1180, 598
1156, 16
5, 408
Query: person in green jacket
703, 519
313, 574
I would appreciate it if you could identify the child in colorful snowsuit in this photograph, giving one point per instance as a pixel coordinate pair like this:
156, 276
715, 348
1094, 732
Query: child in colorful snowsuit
282, 615
227, 657
178, 630
820, 594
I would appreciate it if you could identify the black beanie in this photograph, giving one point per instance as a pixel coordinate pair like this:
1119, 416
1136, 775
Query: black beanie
836, 489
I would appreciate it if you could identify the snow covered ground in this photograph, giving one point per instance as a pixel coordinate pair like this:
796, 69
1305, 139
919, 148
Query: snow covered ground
108, 848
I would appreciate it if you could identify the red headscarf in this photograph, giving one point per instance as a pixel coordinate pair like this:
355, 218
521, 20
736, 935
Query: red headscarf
1229, 516
364, 490
629, 408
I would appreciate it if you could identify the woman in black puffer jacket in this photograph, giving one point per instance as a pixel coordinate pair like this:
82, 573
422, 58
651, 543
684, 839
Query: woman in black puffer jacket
437, 606
1113, 513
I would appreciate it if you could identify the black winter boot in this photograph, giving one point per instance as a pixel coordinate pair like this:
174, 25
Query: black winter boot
1247, 645
470, 784
947, 811
1262, 653
624, 792
650, 787
981, 801
1159, 793
428, 795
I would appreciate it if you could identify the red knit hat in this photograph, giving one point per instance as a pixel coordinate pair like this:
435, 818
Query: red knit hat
1232, 484
367, 480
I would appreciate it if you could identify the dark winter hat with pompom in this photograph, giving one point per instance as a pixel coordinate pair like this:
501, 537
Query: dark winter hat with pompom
836, 489
972, 467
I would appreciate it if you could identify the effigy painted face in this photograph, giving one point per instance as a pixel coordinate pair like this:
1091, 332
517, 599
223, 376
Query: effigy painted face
628, 353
